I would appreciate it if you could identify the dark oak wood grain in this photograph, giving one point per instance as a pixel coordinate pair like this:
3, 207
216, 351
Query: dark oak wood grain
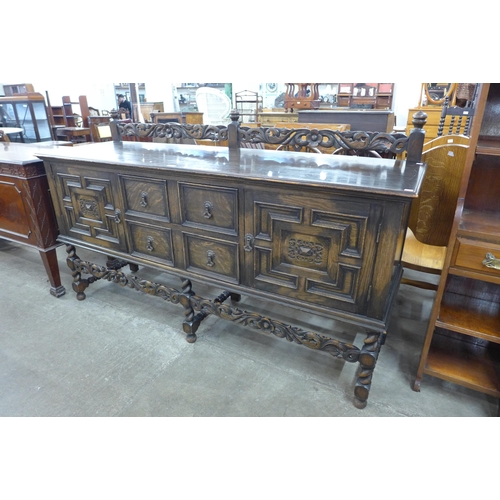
322, 234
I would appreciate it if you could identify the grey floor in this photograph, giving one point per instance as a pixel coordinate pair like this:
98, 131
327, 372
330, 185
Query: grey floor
123, 353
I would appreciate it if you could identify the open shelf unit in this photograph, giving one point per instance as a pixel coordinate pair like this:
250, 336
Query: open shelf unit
462, 343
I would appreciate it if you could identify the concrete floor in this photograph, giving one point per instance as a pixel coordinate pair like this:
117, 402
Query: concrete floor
123, 353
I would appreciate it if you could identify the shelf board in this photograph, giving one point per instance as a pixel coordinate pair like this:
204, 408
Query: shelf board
488, 146
470, 316
468, 364
480, 224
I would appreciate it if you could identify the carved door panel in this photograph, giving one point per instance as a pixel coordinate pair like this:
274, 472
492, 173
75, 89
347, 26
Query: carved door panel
89, 207
316, 249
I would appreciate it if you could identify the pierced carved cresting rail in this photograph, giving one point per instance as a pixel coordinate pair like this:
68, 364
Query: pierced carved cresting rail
360, 143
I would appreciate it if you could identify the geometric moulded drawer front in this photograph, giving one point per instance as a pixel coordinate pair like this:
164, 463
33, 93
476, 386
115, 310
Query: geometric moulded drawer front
213, 208
323, 254
90, 211
151, 243
145, 197
211, 257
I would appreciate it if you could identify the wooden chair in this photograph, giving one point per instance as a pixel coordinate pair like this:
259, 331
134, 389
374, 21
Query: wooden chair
432, 214
460, 117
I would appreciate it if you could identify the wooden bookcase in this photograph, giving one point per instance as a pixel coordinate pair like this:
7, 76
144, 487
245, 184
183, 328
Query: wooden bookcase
462, 343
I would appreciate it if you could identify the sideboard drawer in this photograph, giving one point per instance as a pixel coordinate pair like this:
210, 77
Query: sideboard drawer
470, 255
145, 197
212, 257
151, 243
209, 207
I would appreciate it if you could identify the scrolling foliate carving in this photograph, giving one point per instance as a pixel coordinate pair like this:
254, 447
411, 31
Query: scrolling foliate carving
174, 131
336, 348
358, 143
351, 141
127, 280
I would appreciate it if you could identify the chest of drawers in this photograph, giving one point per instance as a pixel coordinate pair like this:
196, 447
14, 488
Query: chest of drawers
314, 232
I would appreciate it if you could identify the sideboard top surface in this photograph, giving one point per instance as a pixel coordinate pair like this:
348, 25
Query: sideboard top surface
373, 175
16, 153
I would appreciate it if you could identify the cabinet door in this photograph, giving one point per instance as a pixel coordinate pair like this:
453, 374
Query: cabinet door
320, 250
89, 206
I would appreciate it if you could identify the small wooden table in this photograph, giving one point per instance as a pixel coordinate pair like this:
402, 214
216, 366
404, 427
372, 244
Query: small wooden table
74, 134
13, 130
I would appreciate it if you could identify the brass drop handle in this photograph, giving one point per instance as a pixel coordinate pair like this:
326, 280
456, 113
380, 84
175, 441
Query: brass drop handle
249, 240
491, 261
208, 210
118, 216
210, 258
149, 244
144, 199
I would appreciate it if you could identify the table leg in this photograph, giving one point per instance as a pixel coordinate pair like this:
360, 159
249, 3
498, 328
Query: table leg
367, 360
49, 259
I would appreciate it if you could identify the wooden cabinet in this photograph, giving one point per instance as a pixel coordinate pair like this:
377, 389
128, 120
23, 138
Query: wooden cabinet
365, 95
29, 112
18, 88
320, 233
462, 344
26, 212
372, 120
271, 118
183, 117
433, 118
301, 96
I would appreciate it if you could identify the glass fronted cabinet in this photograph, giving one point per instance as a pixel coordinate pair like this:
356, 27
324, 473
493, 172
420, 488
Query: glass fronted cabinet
27, 112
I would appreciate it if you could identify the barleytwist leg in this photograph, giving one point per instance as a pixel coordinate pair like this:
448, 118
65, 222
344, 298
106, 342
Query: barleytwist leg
367, 360
79, 284
191, 321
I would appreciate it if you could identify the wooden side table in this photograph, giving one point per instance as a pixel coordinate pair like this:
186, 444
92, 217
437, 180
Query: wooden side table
76, 134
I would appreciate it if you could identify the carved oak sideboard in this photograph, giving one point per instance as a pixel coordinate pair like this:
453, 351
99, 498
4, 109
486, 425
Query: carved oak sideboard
320, 233
26, 213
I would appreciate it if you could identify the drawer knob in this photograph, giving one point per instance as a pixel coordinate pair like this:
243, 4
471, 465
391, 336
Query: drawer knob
208, 210
210, 258
149, 244
144, 199
491, 261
